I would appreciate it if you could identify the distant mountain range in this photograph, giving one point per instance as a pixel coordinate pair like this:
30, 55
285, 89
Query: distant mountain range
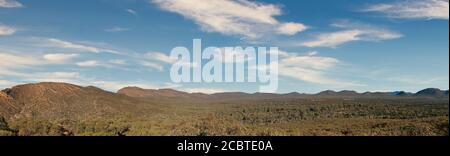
170, 93
60, 100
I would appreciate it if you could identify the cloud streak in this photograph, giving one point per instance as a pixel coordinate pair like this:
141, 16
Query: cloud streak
117, 29
204, 90
9, 60
10, 4
79, 47
58, 57
131, 11
88, 63
413, 9
153, 65
311, 68
351, 32
158, 56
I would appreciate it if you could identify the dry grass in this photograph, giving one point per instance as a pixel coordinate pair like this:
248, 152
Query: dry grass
276, 117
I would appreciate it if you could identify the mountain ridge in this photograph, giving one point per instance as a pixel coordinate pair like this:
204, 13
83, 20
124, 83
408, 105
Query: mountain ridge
56, 100
134, 91
145, 93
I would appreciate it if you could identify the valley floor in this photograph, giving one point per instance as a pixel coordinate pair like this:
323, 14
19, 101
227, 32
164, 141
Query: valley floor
269, 117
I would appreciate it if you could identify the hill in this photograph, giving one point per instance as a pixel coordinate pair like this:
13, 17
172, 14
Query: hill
62, 100
434, 92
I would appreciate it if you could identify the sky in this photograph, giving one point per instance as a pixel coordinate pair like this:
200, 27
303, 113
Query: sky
376, 45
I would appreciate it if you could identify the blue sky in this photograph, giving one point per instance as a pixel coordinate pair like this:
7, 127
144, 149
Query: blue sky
382, 45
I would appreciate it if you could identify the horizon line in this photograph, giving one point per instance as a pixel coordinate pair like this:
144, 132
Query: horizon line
278, 93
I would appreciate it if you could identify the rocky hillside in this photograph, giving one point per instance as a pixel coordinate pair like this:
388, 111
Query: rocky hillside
432, 92
62, 100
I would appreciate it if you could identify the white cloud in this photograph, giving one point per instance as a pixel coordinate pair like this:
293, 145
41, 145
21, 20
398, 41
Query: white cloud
10, 63
51, 76
7, 84
57, 76
413, 9
11, 72
291, 28
19, 66
131, 11
228, 55
70, 45
118, 62
312, 53
117, 29
153, 65
160, 57
79, 47
352, 32
414, 80
6, 30
10, 4
310, 62
333, 39
172, 85
116, 85
249, 19
311, 68
8, 60
204, 90
59, 58
89, 63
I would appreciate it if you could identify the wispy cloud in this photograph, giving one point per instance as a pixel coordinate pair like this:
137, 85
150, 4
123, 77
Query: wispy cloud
9, 60
204, 90
158, 56
118, 62
52, 76
11, 63
233, 17
413, 9
352, 31
79, 47
290, 28
311, 68
153, 65
10, 4
59, 57
411, 80
110, 64
117, 29
6, 30
131, 11
89, 63
6, 84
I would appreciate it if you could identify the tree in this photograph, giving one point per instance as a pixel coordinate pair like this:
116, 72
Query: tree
3, 124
